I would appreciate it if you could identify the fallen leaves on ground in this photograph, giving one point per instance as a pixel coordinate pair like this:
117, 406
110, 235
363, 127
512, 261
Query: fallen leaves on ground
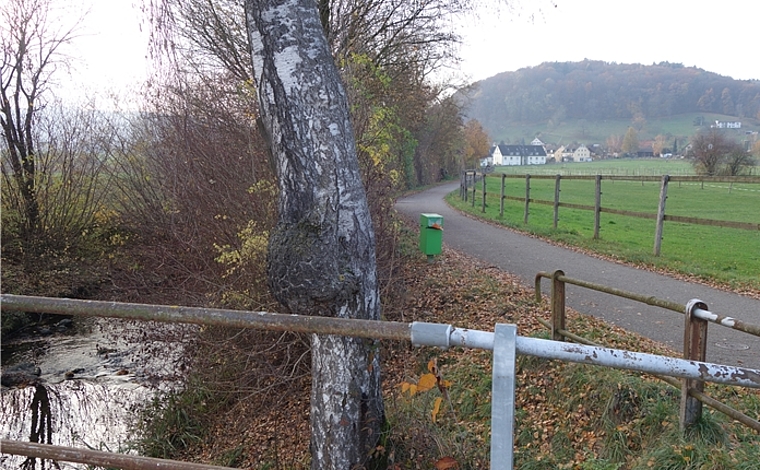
273, 428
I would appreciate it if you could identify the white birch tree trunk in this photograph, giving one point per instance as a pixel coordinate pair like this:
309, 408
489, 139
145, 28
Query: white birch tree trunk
322, 252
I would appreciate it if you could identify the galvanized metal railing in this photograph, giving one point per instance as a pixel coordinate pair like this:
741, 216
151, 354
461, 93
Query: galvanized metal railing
504, 341
697, 317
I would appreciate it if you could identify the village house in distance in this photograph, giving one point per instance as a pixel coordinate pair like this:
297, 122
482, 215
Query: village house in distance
534, 154
514, 155
577, 153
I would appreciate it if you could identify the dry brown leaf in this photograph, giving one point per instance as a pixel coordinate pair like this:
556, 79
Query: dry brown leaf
446, 463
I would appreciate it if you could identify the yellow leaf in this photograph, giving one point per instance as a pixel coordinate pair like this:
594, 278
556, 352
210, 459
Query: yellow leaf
433, 366
426, 382
446, 383
405, 386
437, 408
412, 390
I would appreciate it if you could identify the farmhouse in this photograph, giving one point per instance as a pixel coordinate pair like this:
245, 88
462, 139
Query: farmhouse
727, 124
512, 155
580, 153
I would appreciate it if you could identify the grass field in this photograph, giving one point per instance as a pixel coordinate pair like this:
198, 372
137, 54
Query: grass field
723, 255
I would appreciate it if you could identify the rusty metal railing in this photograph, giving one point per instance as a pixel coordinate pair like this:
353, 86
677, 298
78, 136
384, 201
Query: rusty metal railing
727, 322
96, 457
697, 317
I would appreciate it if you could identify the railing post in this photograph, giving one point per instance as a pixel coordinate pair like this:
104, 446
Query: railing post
558, 305
556, 200
503, 397
695, 349
527, 199
597, 206
661, 215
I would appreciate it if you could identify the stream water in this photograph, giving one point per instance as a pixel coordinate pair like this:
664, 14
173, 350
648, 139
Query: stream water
94, 377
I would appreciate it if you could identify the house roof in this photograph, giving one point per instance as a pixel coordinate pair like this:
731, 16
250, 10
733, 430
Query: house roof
520, 150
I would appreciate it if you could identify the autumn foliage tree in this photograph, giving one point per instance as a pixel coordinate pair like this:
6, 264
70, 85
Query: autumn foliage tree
630, 145
659, 145
477, 143
614, 143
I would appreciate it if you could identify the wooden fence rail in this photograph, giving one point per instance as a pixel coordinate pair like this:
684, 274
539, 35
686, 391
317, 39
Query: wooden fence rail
470, 177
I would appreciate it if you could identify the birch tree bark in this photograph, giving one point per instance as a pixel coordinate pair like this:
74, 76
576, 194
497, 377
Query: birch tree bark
322, 251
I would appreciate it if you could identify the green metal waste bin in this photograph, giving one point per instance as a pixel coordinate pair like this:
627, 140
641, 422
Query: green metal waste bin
431, 234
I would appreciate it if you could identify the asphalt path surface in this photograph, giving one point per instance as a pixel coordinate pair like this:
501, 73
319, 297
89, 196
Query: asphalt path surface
525, 256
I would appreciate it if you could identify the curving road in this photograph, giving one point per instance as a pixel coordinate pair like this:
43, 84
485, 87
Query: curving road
525, 256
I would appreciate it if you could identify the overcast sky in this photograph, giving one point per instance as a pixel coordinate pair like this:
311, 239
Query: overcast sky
721, 37
717, 36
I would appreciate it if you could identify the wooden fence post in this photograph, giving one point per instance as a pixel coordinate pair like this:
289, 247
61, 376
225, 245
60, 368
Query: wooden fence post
527, 198
501, 197
694, 349
484, 194
558, 305
597, 206
474, 186
661, 215
556, 200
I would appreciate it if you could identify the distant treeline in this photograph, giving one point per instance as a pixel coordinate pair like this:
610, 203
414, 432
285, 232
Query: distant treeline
597, 90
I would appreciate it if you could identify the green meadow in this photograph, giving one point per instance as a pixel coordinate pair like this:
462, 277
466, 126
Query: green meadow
726, 256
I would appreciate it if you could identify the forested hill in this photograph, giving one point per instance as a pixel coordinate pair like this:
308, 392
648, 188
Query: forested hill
596, 90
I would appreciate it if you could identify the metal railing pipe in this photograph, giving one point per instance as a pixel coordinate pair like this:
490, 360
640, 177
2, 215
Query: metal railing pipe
649, 300
446, 336
649, 363
728, 322
99, 458
701, 396
210, 316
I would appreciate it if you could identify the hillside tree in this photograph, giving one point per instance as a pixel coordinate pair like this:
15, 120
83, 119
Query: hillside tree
737, 161
614, 142
630, 145
658, 146
710, 150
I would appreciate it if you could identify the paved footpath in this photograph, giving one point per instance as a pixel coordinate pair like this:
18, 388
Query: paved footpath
525, 256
